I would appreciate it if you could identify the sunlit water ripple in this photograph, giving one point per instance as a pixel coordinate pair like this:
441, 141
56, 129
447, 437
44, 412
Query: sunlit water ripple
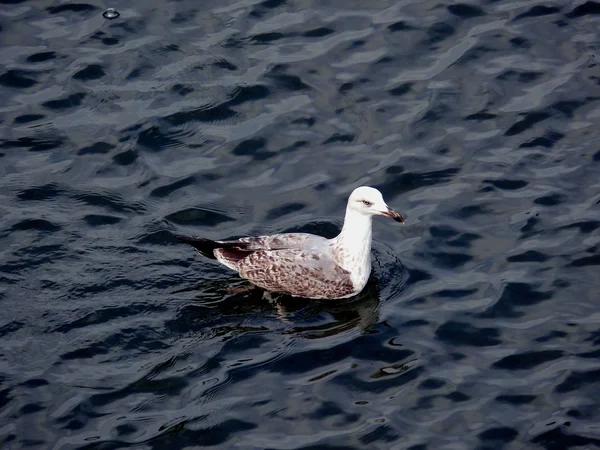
478, 121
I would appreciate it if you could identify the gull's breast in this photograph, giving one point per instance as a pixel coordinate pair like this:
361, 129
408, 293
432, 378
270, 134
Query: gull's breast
357, 263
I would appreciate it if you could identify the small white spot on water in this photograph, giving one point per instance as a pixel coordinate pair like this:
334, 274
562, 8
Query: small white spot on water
111, 13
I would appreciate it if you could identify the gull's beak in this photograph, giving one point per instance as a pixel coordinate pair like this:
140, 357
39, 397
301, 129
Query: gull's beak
392, 215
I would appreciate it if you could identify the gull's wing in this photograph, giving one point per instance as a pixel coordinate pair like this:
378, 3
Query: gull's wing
282, 241
300, 241
301, 273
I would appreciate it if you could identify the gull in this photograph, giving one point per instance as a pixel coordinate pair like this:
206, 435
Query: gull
304, 264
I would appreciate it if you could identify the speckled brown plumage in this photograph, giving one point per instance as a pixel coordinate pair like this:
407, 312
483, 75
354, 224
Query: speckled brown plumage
295, 272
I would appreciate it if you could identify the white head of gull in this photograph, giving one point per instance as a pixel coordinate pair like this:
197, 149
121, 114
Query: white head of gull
352, 247
303, 264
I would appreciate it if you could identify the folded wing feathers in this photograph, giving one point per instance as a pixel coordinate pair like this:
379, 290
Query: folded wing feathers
297, 273
282, 263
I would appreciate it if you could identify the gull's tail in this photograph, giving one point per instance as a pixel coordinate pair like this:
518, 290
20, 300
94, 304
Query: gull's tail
207, 247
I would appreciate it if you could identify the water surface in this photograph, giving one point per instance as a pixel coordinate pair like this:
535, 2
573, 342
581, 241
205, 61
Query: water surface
479, 123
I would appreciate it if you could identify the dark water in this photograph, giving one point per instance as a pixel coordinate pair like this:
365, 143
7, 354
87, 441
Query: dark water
480, 124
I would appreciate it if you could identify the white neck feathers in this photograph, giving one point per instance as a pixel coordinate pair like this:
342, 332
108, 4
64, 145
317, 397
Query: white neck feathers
352, 247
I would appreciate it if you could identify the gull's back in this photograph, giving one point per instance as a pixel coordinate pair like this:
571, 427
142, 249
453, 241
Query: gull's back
299, 241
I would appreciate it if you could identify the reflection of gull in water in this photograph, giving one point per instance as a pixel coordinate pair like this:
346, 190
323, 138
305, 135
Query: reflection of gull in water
250, 311
329, 318
303, 264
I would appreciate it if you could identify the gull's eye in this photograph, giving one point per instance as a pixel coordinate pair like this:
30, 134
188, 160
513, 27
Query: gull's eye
367, 203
